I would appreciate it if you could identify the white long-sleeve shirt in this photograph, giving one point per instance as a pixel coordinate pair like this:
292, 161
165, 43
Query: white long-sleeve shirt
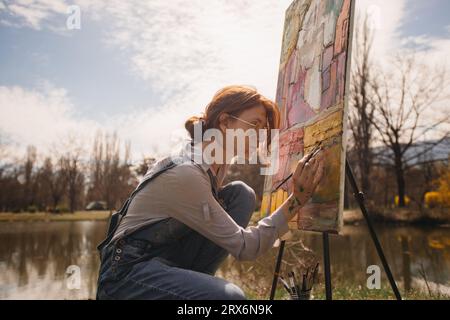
184, 193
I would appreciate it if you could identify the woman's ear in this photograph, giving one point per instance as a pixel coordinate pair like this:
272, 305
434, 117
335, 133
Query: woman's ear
223, 122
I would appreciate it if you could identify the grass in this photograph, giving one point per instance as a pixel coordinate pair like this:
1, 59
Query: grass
45, 216
350, 292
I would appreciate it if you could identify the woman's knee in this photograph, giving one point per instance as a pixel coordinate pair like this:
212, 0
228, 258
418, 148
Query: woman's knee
240, 200
243, 193
229, 291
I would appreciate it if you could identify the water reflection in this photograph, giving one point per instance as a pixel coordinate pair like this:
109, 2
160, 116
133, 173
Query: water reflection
414, 254
34, 258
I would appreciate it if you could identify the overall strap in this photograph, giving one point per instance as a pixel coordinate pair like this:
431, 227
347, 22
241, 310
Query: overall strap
117, 217
159, 168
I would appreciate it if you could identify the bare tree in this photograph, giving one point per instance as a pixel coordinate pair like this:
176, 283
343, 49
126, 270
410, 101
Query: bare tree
11, 195
70, 154
362, 110
28, 178
54, 181
402, 99
3, 155
61, 178
111, 178
71, 168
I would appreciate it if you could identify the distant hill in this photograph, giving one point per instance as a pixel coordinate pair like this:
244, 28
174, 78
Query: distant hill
422, 152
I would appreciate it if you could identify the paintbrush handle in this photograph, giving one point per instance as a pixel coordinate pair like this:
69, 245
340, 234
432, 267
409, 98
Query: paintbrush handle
285, 285
313, 153
282, 182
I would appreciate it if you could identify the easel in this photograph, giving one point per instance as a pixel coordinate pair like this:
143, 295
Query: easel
359, 196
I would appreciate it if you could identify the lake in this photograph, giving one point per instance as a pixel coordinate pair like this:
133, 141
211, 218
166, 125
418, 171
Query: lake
39, 260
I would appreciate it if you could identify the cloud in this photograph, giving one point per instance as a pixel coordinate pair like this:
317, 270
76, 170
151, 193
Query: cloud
190, 50
178, 46
32, 13
187, 51
184, 50
41, 118
46, 118
385, 19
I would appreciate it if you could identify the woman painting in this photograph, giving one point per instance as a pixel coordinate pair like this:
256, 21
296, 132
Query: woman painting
184, 222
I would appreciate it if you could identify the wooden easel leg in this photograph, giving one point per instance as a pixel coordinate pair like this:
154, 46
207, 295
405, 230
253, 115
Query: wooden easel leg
327, 266
359, 196
276, 273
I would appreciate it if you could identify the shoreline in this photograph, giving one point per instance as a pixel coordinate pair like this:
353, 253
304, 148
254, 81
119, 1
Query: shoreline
399, 217
350, 217
48, 217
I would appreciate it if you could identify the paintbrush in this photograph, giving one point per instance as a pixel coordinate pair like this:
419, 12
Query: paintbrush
285, 285
304, 283
292, 282
296, 284
307, 287
315, 273
315, 150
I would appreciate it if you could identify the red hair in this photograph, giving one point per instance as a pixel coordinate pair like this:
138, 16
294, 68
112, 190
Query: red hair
234, 100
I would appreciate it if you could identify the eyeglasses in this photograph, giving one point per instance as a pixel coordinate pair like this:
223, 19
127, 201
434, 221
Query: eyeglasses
249, 123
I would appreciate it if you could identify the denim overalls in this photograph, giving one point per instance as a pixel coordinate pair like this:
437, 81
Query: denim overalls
167, 259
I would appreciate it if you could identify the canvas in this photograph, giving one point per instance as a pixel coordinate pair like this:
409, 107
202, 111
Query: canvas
311, 95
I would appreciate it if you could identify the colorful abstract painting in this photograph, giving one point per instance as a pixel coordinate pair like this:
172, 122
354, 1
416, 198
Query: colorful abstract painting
311, 95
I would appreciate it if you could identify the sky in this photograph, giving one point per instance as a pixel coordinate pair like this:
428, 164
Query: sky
141, 68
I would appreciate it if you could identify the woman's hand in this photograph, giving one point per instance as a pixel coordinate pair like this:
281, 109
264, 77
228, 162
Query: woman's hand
306, 177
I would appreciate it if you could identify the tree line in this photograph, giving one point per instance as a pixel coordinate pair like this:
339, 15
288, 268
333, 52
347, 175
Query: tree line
67, 180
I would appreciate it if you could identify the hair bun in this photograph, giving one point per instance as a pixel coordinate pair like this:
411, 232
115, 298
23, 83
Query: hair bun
192, 122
